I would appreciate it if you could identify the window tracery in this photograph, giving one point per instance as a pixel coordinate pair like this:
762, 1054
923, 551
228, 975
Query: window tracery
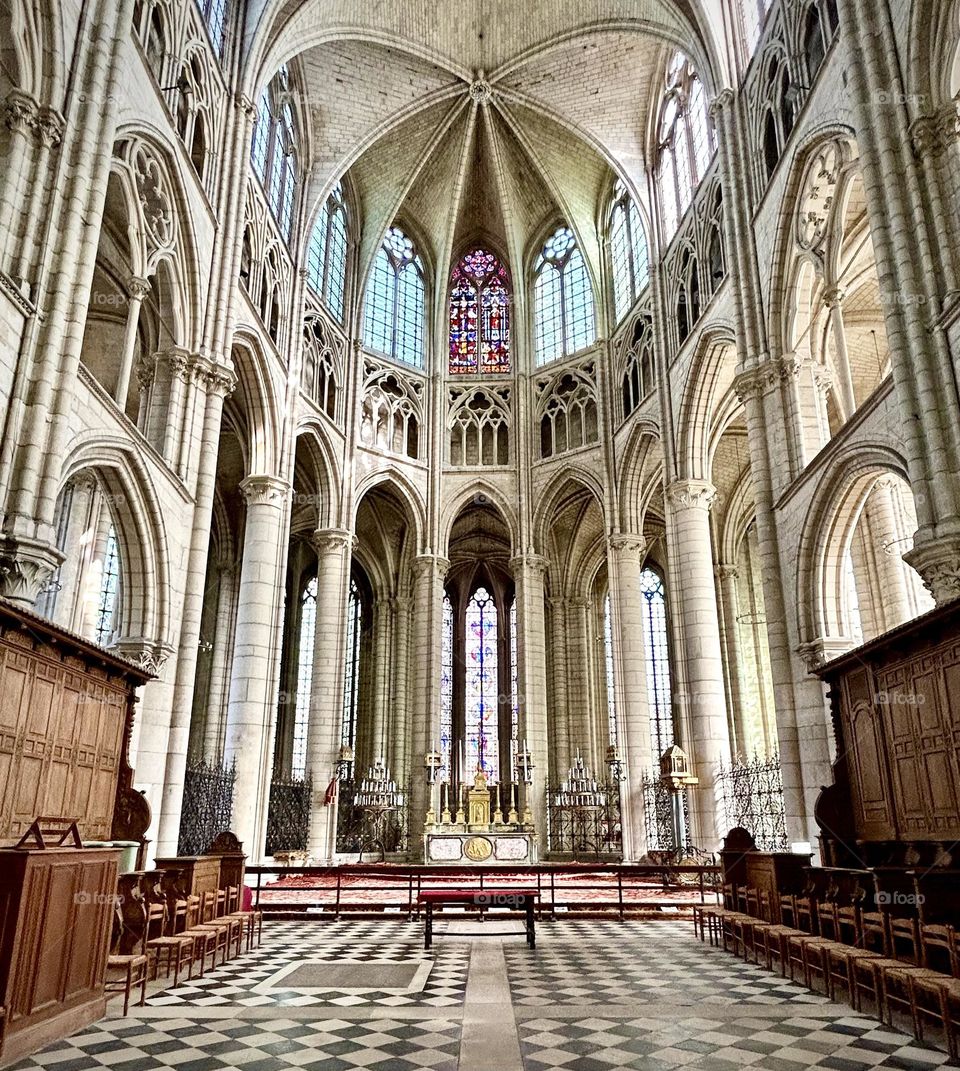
274, 149
394, 312
658, 660
321, 365
479, 315
569, 416
685, 142
638, 378
390, 413
482, 687
215, 16
563, 299
628, 251
301, 721
327, 253
479, 428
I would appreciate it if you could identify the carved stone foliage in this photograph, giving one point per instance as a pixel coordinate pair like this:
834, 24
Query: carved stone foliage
391, 410
568, 411
479, 426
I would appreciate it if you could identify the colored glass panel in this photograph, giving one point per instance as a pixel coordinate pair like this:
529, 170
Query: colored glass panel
482, 691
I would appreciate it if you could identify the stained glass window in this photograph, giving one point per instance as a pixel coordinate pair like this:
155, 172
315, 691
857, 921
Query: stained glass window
686, 142
608, 665
109, 586
754, 14
215, 16
479, 315
301, 719
327, 253
514, 672
446, 689
351, 669
483, 749
658, 661
628, 249
563, 299
273, 151
394, 311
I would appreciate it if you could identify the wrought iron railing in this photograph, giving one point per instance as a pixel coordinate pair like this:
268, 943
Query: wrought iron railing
358, 831
752, 792
288, 820
659, 818
207, 804
586, 832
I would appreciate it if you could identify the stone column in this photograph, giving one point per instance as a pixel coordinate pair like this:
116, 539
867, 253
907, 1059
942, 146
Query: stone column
833, 299
559, 748
397, 739
171, 742
426, 635
880, 516
251, 709
137, 290
20, 118
729, 602
700, 690
528, 572
220, 660
333, 546
580, 684
625, 562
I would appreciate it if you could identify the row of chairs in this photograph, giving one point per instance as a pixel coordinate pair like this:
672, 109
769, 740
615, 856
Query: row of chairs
159, 927
898, 963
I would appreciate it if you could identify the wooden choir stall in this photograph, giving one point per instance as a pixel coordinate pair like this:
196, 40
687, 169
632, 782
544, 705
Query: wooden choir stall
66, 717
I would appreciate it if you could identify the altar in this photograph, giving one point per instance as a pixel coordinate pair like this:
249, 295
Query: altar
472, 836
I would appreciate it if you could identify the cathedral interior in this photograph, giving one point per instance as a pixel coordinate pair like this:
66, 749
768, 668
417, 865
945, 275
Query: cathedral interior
493, 461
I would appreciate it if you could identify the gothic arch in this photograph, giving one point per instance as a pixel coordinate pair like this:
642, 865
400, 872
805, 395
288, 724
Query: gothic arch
634, 466
552, 494
827, 528
712, 364
140, 529
261, 403
932, 75
36, 41
392, 478
478, 491
326, 475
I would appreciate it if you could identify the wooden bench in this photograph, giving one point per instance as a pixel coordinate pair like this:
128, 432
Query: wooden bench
525, 898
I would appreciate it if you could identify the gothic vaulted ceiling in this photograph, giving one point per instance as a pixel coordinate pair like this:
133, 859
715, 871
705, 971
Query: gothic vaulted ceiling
488, 119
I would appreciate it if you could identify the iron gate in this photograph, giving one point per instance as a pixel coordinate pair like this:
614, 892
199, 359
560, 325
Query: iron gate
207, 804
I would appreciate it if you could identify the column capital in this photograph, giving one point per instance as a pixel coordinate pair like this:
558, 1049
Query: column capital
246, 105
721, 102
789, 366
535, 564
820, 651
50, 127
627, 545
263, 490
220, 380
926, 133
725, 571
691, 494
750, 384
327, 541
823, 378
149, 655
25, 567
833, 297
430, 565
938, 563
20, 111
138, 287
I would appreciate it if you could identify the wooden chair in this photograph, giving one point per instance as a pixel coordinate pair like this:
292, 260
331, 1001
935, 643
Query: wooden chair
128, 965
169, 950
944, 992
211, 939
253, 916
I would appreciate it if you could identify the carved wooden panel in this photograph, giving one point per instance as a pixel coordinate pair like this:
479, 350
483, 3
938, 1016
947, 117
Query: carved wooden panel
898, 702
63, 711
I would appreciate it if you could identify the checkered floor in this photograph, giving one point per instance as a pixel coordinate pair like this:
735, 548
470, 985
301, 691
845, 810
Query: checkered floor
204, 1045
244, 982
589, 962
592, 996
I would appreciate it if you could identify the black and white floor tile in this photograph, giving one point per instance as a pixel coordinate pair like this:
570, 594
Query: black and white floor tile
275, 1045
592, 996
586, 963
257, 979
848, 1043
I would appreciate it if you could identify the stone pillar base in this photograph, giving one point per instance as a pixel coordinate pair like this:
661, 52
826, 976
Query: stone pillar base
25, 566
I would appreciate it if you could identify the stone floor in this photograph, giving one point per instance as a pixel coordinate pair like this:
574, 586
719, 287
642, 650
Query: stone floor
324, 996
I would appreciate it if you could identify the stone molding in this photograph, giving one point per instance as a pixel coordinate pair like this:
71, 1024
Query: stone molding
150, 655
938, 563
535, 564
427, 565
331, 541
25, 567
628, 546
